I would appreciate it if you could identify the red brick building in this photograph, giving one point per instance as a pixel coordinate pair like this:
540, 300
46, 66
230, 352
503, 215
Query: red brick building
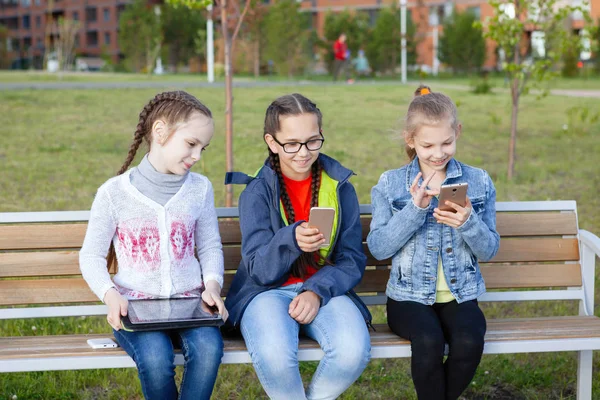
27, 21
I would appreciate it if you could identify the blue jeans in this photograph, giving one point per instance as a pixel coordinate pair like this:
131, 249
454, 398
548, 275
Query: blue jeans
271, 336
153, 353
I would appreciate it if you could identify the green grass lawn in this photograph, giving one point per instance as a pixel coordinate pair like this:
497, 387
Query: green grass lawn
57, 147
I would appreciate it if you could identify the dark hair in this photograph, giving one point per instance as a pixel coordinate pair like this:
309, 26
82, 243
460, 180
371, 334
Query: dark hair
172, 107
294, 104
428, 107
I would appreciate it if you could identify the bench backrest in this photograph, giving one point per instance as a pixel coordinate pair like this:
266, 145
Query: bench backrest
539, 250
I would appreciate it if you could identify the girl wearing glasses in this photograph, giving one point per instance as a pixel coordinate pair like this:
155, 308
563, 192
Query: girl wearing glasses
287, 282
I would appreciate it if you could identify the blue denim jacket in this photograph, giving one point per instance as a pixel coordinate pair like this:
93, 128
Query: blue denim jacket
411, 236
269, 247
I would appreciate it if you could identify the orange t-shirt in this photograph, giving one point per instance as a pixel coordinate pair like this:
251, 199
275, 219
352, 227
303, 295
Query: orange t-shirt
300, 194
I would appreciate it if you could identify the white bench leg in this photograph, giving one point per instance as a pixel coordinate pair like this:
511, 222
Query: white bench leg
584, 375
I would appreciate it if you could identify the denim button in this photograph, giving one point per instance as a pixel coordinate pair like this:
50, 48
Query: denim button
449, 250
453, 280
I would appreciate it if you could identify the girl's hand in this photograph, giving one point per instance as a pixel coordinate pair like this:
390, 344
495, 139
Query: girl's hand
212, 297
117, 307
305, 307
453, 219
420, 194
309, 239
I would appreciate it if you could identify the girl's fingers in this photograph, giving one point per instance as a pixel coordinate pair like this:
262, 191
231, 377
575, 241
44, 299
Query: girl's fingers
292, 305
415, 182
297, 310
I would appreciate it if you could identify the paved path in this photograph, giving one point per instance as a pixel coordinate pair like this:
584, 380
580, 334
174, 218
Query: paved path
248, 84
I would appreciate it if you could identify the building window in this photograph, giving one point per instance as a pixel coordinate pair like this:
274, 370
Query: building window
106, 37
475, 11
91, 39
39, 43
38, 21
75, 16
26, 43
38, 2
91, 14
106, 15
25, 3
77, 41
26, 22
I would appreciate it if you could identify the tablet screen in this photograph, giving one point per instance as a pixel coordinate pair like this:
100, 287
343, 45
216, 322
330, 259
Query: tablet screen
169, 310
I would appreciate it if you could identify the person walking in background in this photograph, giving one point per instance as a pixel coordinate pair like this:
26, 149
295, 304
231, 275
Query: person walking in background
361, 64
341, 56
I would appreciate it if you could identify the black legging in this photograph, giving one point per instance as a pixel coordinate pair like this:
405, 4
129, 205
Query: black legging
428, 328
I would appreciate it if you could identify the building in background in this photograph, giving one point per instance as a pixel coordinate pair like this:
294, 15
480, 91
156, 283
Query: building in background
429, 15
29, 33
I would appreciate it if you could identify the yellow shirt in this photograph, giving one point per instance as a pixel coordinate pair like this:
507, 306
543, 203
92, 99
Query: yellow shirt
442, 291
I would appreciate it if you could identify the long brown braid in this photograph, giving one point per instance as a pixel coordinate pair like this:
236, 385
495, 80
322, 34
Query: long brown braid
172, 107
295, 104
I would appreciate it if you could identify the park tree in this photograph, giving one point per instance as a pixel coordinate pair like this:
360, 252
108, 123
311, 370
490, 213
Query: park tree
140, 36
4, 60
232, 14
462, 45
288, 33
181, 27
526, 69
384, 46
254, 30
65, 43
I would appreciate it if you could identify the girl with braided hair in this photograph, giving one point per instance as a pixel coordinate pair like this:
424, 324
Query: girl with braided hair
150, 218
286, 283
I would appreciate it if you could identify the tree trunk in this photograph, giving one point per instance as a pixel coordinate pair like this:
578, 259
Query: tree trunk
514, 91
228, 102
257, 57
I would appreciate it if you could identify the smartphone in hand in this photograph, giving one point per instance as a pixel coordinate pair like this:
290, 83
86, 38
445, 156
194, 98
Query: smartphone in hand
456, 193
322, 219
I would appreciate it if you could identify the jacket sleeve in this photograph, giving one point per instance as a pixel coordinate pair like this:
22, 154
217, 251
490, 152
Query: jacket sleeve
268, 254
208, 240
390, 231
480, 232
98, 236
348, 258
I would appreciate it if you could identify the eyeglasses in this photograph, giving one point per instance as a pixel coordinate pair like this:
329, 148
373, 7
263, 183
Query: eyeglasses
294, 147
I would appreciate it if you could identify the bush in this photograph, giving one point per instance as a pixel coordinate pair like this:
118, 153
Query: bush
462, 45
481, 86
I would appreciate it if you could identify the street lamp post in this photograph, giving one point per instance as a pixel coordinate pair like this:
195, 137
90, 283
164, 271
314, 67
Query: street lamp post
159, 68
210, 49
403, 38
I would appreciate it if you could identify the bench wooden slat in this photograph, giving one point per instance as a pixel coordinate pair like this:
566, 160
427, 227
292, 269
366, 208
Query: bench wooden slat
531, 276
41, 236
522, 224
47, 263
75, 290
70, 235
45, 291
537, 250
550, 328
536, 223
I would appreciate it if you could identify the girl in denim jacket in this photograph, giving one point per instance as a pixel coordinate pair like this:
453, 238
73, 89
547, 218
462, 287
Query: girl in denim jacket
287, 282
435, 278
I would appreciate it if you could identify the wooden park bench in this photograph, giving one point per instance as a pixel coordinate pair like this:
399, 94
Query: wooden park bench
543, 256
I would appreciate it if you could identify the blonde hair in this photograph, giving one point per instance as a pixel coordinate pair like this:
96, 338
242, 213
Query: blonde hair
428, 108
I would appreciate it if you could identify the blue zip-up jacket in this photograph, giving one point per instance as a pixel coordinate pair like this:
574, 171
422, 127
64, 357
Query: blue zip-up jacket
411, 236
269, 247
